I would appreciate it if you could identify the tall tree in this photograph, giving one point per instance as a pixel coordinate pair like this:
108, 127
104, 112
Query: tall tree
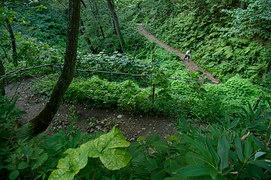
39, 123
111, 7
96, 13
13, 42
84, 34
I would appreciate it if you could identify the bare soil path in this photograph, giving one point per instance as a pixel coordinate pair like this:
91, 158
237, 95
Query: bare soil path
88, 119
189, 64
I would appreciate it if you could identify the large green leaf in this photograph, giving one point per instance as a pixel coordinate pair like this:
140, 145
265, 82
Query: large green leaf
106, 147
41, 159
151, 164
114, 159
239, 149
61, 174
193, 158
248, 150
266, 164
223, 149
259, 154
196, 170
214, 154
23, 165
158, 174
14, 174
113, 139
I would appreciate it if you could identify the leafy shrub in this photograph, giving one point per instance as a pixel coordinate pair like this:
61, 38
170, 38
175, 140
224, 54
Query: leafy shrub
223, 150
108, 148
115, 63
225, 43
206, 103
235, 93
33, 158
254, 20
93, 92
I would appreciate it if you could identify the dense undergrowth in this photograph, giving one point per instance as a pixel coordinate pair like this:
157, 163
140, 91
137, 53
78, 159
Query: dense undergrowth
229, 149
202, 102
231, 135
224, 38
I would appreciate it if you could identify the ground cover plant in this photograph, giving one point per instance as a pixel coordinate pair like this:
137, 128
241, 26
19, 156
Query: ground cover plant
224, 129
216, 34
231, 149
207, 103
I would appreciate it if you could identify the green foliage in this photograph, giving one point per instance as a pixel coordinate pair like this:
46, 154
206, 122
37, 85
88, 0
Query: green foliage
34, 53
33, 158
234, 148
102, 93
254, 20
8, 112
203, 102
235, 93
220, 151
8, 122
107, 148
234, 145
224, 43
115, 63
44, 20
37, 157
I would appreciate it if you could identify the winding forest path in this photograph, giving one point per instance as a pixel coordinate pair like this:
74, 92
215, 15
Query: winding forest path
189, 64
89, 119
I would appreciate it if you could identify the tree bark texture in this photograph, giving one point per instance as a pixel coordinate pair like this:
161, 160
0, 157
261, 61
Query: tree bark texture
111, 7
2, 82
44, 118
13, 42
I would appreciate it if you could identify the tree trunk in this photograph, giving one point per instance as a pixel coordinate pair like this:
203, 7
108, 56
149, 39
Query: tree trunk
2, 81
83, 32
44, 118
111, 7
82, 29
96, 14
13, 42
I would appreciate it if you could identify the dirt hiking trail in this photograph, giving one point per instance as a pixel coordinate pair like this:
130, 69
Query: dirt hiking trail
88, 119
189, 64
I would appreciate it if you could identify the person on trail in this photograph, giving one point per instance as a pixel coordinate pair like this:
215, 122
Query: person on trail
187, 55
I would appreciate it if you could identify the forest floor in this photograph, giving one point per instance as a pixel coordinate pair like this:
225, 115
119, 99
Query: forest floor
189, 64
88, 119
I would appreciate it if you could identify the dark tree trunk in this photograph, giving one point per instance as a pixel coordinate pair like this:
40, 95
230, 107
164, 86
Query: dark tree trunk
83, 32
83, 29
96, 14
111, 7
44, 118
2, 81
102, 31
13, 42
